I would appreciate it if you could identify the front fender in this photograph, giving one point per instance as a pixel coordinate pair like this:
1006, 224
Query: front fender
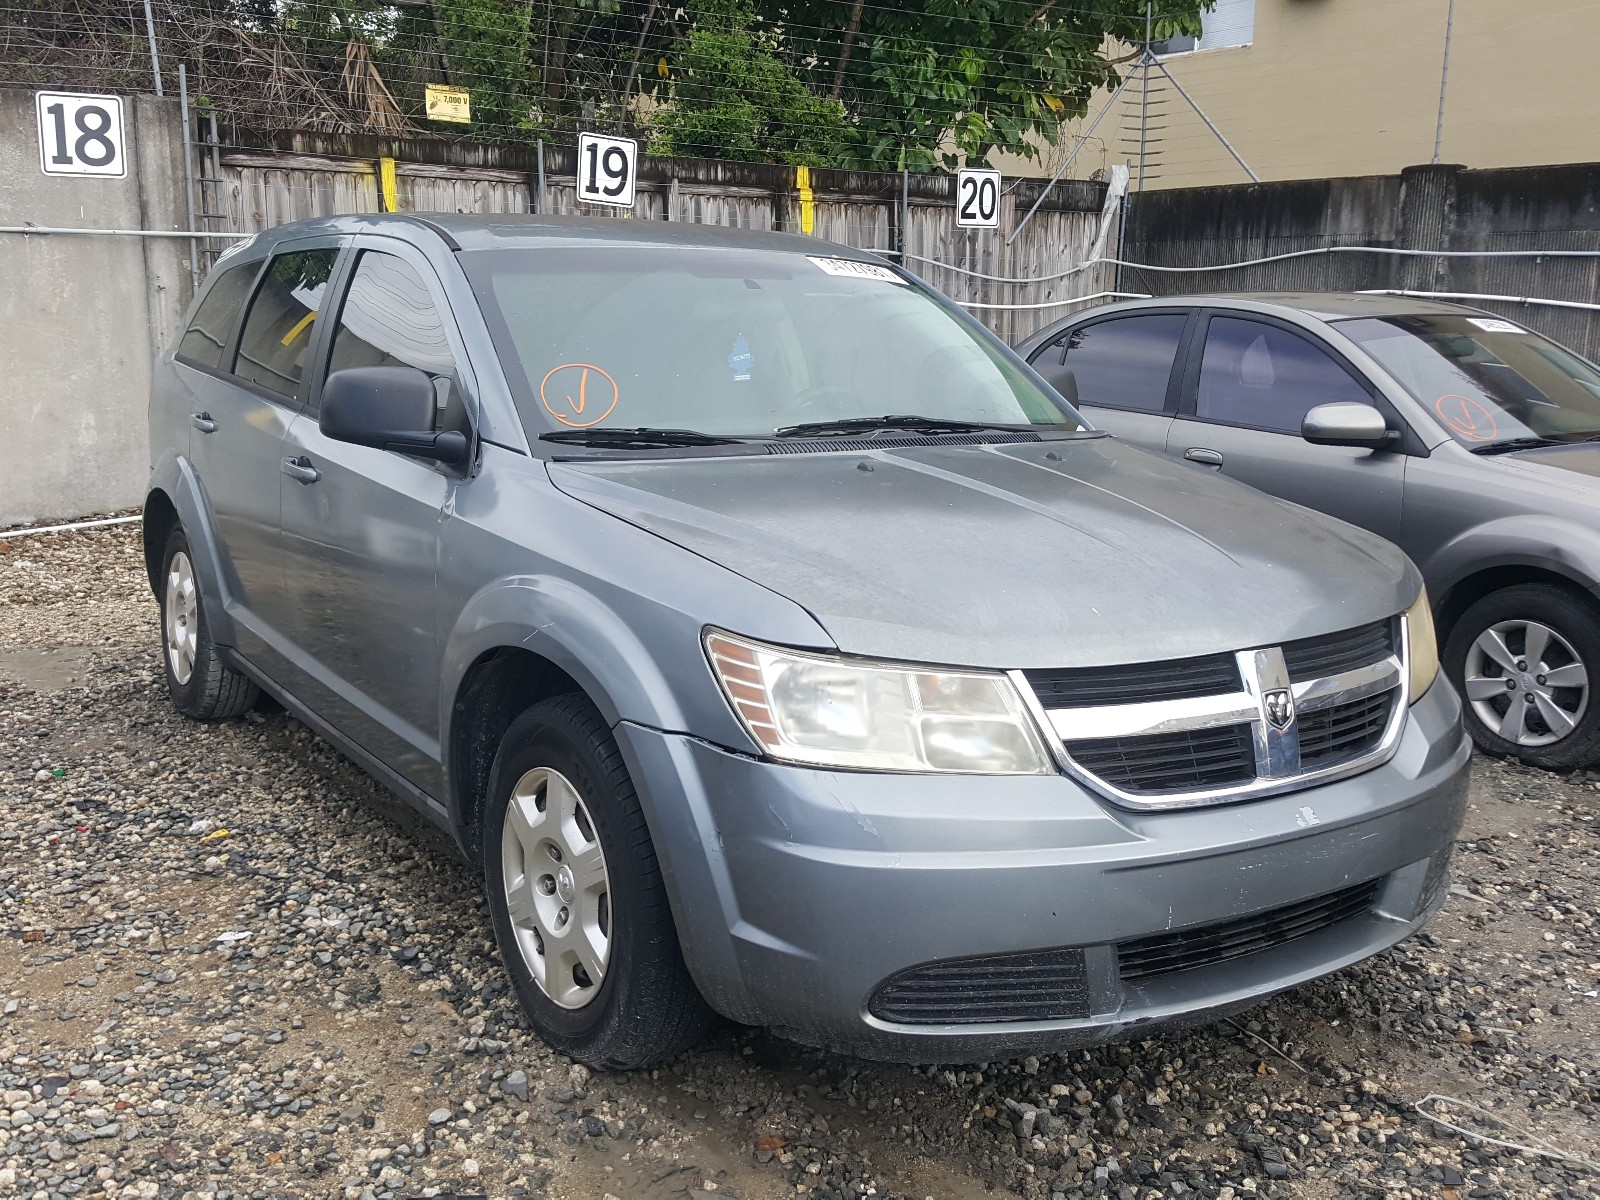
576, 631
1566, 547
174, 478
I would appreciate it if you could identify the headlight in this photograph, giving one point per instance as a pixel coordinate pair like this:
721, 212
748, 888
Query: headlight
831, 712
1422, 646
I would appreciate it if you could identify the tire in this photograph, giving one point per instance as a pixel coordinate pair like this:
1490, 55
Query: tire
200, 686
1559, 727
559, 781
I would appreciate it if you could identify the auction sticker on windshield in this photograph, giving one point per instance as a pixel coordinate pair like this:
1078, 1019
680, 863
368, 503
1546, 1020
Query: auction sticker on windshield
848, 268
1494, 325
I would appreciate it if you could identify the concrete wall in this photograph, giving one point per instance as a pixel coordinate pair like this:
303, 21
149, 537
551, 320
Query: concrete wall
1351, 87
81, 317
1422, 208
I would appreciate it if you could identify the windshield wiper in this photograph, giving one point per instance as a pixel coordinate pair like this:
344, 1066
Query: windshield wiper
1510, 444
641, 438
906, 421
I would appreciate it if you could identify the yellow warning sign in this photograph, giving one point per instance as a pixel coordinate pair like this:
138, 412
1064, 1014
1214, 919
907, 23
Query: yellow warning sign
448, 103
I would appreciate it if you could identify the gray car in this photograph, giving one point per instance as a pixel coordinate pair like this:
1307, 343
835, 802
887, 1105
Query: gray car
1460, 435
780, 646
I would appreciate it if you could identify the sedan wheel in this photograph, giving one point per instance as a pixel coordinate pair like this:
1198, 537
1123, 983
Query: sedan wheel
198, 682
1526, 682
1522, 658
557, 891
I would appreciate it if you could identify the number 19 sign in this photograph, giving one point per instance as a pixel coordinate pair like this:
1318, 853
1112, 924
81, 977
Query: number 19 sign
81, 135
606, 169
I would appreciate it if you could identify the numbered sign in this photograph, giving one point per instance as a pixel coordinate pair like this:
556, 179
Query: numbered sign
606, 167
81, 135
977, 199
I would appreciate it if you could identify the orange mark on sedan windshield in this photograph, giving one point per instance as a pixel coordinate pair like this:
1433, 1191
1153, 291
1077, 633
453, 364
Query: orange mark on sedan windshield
1468, 418
578, 394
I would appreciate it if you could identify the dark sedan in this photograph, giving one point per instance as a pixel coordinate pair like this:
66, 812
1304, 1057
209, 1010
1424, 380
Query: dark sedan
1462, 436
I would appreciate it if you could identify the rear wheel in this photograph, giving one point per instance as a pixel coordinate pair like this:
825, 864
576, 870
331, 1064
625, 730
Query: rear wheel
1522, 659
200, 686
575, 892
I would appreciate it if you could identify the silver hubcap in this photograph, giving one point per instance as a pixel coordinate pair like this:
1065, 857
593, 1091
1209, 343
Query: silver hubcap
182, 617
1526, 682
557, 890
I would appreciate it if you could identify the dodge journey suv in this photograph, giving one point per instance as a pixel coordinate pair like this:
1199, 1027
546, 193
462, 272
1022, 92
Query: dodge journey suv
781, 646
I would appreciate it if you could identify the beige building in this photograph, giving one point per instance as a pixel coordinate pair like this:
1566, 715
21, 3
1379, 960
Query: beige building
1315, 88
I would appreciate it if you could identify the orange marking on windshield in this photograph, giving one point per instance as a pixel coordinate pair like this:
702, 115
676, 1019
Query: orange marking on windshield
1469, 418
557, 394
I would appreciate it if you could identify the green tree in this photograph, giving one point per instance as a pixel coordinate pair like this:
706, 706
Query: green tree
928, 82
735, 96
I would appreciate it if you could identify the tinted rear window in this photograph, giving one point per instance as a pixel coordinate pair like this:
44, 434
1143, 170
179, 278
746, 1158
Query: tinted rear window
1122, 363
218, 314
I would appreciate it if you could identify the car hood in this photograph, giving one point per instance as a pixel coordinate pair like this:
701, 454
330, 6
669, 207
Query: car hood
1084, 552
1574, 466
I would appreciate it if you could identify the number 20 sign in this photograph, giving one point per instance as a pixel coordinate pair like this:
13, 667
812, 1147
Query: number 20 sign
606, 167
977, 198
81, 135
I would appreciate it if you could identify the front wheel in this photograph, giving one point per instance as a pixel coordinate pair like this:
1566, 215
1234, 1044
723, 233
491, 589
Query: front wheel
575, 893
1522, 658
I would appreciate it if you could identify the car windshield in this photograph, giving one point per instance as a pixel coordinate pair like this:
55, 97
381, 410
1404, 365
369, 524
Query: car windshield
1487, 379
737, 343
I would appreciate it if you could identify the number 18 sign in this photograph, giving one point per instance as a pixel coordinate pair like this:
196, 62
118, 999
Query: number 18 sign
606, 167
81, 135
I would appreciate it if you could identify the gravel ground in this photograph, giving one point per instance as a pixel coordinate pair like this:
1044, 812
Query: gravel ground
227, 973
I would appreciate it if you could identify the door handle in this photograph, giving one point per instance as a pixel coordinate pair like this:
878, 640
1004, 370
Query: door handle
1199, 454
203, 422
300, 469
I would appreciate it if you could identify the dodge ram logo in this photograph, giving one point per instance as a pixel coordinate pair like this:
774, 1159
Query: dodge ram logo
1278, 708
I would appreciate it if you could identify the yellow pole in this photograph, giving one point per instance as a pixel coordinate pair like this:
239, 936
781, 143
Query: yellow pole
387, 185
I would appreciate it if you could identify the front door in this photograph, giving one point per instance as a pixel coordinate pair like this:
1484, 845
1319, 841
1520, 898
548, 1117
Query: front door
361, 526
1244, 401
241, 414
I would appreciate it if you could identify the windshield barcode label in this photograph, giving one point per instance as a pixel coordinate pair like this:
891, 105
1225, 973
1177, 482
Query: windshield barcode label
850, 269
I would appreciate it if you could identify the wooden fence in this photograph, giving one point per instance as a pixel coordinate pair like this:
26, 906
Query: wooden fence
255, 183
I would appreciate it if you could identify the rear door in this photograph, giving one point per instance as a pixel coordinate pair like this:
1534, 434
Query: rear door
246, 388
361, 525
1248, 384
1121, 367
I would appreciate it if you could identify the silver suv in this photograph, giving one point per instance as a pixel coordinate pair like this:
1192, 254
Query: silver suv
1462, 436
780, 646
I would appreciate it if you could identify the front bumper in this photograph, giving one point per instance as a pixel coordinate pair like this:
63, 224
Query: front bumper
798, 892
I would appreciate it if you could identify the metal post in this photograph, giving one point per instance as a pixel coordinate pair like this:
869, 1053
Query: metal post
155, 59
1083, 141
1226, 144
1144, 95
905, 218
188, 173
539, 201
1444, 77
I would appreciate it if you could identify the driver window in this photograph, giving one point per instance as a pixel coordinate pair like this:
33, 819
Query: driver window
1263, 377
389, 319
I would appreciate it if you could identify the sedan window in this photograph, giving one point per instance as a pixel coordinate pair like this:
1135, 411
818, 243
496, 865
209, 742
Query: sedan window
1488, 381
1121, 363
1264, 377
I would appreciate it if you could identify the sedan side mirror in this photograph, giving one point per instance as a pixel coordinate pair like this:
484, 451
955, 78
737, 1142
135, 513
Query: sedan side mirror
390, 408
1347, 425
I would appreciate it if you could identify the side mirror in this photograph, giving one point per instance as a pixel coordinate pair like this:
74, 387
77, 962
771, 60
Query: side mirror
390, 408
1346, 425
1063, 380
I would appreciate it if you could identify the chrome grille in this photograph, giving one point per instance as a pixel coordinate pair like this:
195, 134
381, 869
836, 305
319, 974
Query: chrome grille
1253, 723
